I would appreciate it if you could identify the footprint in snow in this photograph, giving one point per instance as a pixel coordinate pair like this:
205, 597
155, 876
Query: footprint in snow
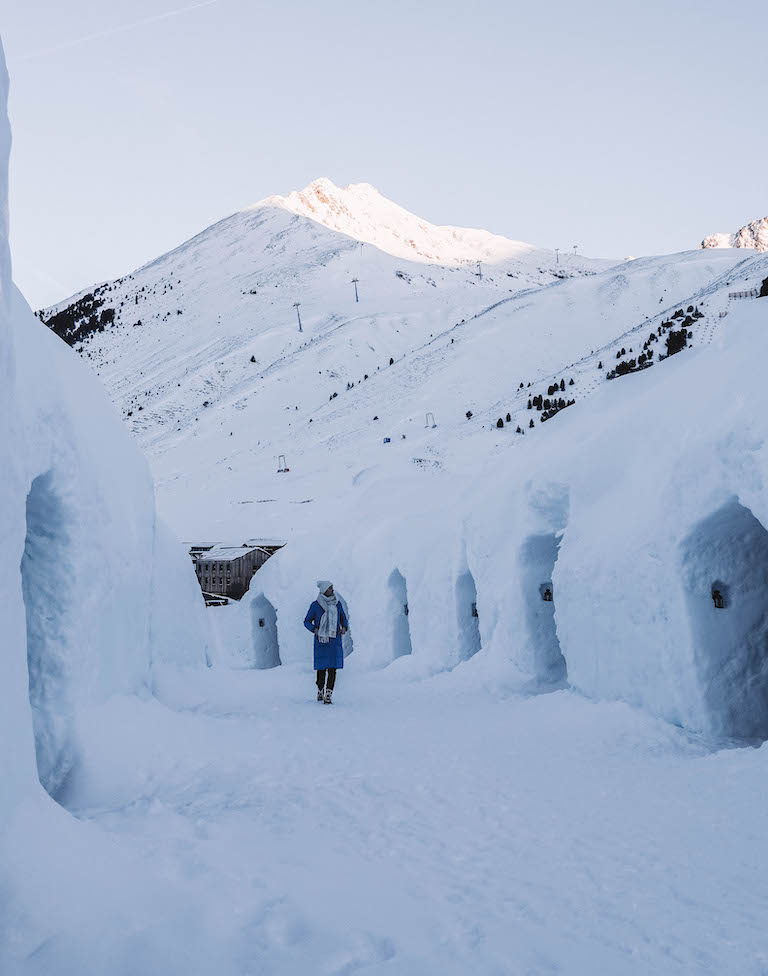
368, 951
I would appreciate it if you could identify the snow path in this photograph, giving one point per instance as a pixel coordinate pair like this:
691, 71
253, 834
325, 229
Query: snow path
429, 828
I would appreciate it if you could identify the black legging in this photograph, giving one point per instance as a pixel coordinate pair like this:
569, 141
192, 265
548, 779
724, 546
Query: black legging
321, 680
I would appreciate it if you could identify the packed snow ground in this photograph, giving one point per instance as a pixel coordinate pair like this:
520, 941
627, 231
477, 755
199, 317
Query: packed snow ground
410, 828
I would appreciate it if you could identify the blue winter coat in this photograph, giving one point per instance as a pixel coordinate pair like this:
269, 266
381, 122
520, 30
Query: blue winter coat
330, 655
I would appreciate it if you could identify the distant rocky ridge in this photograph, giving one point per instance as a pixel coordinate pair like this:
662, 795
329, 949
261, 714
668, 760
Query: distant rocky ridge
754, 234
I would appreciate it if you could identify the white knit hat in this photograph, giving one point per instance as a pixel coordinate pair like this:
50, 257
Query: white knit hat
323, 585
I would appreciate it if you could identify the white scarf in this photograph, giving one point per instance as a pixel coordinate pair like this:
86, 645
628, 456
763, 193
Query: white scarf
329, 622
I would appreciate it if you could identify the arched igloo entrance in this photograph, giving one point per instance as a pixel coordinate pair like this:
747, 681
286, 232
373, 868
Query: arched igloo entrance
266, 649
49, 591
537, 563
398, 615
727, 553
467, 618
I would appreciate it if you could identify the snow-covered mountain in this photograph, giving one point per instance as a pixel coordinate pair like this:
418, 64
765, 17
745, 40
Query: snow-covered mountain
211, 328
202, 353
753, 234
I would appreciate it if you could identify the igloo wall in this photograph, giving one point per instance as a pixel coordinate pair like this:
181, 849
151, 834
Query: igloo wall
17, 762
97, 591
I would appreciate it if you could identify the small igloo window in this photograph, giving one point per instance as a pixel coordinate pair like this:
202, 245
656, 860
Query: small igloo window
720, 595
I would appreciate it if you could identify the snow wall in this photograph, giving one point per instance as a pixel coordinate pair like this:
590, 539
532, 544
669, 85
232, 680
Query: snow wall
628, 510
95, 589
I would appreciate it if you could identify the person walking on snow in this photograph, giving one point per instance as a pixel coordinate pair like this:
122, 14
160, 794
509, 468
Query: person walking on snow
327, 621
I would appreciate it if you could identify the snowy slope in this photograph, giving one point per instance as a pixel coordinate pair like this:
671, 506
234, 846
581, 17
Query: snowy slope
754, 234
216, 465
183, 329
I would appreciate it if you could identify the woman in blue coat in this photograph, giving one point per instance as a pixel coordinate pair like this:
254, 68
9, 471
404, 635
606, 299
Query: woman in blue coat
327, 621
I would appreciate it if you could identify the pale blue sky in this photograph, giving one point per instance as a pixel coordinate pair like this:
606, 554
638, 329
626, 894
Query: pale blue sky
626, 128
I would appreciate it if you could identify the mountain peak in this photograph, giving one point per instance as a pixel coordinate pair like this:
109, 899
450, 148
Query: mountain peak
327, 203
360, 211
753, 234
